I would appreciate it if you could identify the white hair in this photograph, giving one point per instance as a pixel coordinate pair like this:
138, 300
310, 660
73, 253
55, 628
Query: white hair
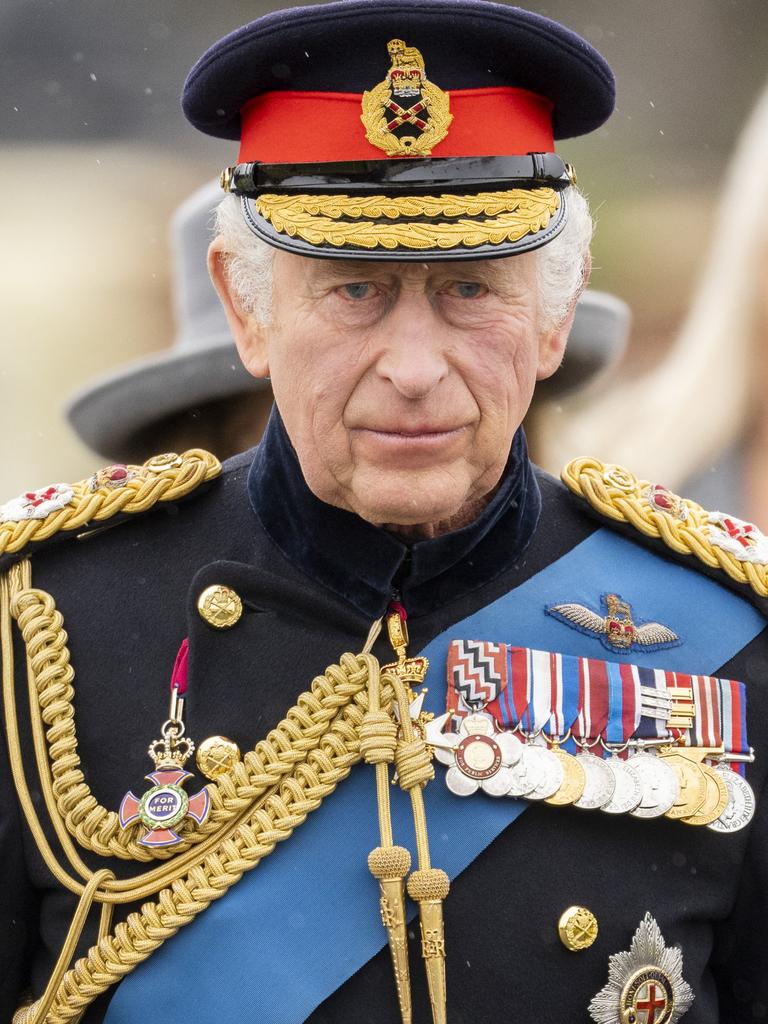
561, 263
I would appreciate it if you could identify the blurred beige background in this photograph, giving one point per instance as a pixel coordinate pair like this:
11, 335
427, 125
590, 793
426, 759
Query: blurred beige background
95, 154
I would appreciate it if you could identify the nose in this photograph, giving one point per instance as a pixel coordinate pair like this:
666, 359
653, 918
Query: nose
413, 355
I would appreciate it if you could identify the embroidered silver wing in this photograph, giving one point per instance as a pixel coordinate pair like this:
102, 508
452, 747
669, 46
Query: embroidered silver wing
654, 633
582, 616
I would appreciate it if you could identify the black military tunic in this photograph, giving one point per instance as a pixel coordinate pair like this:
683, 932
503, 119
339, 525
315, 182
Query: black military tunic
312, 579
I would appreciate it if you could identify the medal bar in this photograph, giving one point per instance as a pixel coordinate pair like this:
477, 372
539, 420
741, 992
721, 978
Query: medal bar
671, 750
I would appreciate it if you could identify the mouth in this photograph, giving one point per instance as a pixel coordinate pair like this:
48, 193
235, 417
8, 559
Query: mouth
417, 440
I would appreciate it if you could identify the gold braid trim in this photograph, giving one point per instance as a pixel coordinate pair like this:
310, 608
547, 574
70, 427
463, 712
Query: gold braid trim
295, 768
510, 216
161, 478
314, 775
618, 494
93, 826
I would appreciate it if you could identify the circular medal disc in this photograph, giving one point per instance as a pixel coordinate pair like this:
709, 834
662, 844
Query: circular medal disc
551, 778
715, 801
498, 784
163, 806
599, 784
628, 792
740, 809
478, 756
661, 786
524, 776
574, 780
511, 747
693, 785
459, 784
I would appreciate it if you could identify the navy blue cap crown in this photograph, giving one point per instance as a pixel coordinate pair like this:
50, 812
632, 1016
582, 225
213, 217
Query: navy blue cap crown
401, 129
471, 44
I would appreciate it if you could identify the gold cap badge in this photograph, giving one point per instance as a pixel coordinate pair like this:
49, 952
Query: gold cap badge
406, 114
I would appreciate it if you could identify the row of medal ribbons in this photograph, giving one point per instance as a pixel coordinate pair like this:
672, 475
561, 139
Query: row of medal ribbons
594, 734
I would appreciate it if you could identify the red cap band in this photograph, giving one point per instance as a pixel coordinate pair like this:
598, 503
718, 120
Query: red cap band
323, 127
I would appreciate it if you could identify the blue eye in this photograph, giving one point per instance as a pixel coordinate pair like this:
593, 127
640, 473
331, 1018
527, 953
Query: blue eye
467, 289
358, 289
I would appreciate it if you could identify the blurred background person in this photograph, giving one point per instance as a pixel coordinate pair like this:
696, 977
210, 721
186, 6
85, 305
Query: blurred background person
710, 388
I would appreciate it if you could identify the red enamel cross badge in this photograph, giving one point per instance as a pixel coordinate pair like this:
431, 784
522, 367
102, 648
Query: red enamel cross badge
164, 806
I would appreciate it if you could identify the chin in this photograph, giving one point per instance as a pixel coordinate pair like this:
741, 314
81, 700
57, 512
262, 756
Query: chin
407, 502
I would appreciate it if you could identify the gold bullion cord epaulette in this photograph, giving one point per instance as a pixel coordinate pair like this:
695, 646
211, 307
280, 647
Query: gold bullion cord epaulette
115, 490
719, 540
345, 716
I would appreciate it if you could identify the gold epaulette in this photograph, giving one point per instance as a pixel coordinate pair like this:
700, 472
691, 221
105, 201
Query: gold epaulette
718, 540
115, 490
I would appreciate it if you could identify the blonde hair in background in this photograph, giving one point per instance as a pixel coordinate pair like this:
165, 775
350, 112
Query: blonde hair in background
675, 420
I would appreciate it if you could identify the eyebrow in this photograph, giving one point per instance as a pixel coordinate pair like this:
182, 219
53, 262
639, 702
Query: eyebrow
360, 269
495, 273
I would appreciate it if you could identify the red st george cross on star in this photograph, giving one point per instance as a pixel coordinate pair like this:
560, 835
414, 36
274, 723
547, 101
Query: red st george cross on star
650, 1005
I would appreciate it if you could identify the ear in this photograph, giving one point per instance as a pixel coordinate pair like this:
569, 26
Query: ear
552, 343
250, 335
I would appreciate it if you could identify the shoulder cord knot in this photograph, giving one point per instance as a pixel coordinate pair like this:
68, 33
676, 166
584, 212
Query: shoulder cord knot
163, 478
617, 494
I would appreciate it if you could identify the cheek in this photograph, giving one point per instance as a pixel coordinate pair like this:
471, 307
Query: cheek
313, 377
499, 366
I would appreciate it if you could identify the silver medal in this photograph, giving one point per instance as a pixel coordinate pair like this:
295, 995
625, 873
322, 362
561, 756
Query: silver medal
659, 782
478, 756
498, 784
600, 784
740, 809
524, 777
628, 791
551, 772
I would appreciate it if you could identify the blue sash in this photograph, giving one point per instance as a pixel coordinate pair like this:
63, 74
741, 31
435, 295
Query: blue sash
289, 934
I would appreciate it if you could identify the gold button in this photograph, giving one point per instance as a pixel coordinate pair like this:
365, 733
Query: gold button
577, 928
159, 463
216, 756
220, 606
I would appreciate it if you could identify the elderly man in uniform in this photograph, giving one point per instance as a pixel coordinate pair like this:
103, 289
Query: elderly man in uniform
575, 832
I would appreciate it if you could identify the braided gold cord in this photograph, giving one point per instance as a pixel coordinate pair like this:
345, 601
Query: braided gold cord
160, 479
291, 772
617, 494
276, 815
88, 822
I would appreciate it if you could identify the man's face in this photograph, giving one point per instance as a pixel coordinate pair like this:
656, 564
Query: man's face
401, 385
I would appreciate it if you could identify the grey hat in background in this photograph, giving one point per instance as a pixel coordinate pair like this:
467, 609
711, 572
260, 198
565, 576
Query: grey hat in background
202, 364
597, 341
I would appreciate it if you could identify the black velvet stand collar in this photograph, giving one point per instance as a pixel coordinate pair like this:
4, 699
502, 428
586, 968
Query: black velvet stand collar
369, 566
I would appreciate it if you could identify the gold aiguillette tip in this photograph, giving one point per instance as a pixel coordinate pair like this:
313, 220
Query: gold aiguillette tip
390, 865
429, 888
